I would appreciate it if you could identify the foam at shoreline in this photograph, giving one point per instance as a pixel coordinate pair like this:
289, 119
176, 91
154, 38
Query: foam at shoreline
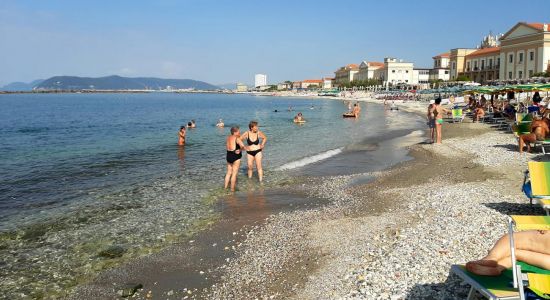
309, 160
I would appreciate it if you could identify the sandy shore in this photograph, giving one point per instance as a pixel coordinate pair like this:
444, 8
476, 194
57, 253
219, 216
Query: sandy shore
394, 238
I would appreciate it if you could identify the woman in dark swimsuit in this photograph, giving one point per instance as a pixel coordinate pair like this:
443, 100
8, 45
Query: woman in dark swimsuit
234, 147
254, 154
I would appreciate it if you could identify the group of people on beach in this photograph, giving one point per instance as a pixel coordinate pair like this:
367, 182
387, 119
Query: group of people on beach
255, 143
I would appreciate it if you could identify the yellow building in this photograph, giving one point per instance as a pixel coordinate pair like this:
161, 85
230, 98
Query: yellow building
345, 74
525, 50
456, 61
483, 64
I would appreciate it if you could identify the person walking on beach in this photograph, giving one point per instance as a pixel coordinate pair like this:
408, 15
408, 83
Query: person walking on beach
438, 112
234, 147
254, 153
181, 136
431, 121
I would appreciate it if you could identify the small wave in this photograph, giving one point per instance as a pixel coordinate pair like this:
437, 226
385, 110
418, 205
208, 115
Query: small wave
309, 160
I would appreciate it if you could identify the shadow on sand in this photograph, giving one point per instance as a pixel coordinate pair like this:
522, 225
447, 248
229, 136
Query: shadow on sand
452, 288
507, 208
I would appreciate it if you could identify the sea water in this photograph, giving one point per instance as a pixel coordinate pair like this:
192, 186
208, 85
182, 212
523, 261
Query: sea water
87, 178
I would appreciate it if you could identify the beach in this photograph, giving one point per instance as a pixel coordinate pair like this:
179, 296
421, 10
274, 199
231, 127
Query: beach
386, 234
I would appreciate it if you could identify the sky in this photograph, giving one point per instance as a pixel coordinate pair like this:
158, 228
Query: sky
229, 41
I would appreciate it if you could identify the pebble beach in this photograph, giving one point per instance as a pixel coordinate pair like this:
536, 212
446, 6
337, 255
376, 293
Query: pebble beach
447, 206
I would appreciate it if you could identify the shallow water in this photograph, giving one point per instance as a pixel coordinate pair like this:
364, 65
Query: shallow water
80, 173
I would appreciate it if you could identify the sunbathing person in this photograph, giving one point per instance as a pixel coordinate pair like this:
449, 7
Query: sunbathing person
539, 131
532, 247
479, 112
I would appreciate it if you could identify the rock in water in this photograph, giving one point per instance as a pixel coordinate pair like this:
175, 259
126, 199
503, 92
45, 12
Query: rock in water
129, 289
112, 252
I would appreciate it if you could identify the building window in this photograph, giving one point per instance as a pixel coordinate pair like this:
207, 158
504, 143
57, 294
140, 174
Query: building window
454, 65
530, 73
483, 64
509, 75
468, 66
406, 80
475, 64
393, 71
531, 56
511, 58
520, 74
490, 63
446, 72
498, 62
520, 58
406, 71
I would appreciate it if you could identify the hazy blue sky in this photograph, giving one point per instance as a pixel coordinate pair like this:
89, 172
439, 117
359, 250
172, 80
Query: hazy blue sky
230, 41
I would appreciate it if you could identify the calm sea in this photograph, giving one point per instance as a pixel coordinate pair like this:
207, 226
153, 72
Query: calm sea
80, 173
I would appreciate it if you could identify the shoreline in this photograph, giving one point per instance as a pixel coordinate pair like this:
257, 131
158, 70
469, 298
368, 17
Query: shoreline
358, 243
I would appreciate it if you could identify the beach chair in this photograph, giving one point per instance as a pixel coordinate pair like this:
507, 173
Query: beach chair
536, 184
537, 280
510, 284
458, 115
521, 128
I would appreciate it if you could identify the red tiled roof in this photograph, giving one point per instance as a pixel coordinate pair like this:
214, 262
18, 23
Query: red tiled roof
446, 54
352, 66
537, 26
484, 51
313, 81
328, 78
375, 64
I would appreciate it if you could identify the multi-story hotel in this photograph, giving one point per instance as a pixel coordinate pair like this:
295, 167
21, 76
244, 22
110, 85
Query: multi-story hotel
395, 72
518, 54
366, 70
345, 74
525, 50
260, 80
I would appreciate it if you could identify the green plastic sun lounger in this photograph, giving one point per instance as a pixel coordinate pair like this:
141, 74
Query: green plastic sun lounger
536, 279
458, 115
494, 287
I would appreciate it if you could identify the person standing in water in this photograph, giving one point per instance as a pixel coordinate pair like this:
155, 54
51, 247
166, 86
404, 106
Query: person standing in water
431, 121
181, 135
254, 154
234, 147
438, 112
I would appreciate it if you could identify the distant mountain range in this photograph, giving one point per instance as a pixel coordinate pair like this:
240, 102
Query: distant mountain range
120, 83
21, 86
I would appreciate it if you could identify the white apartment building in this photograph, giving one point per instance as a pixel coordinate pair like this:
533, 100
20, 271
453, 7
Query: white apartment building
441, 70
421, 76
260, 80
327, 83
395, 72
241, 87
345, 74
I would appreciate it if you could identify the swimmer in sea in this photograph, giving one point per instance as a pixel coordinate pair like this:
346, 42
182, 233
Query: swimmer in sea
299, 118
220, 123
254, 154
189, 125
181, 135
193, 125
234, 147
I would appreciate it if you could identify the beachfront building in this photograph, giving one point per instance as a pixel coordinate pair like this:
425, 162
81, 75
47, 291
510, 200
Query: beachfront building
525, 50
311, 83
456, 61
241, 87
327, 83
284, 86
260, 80
482, 65
345, 74
421, 77
296, 85
366, 70
395, 72
440, 69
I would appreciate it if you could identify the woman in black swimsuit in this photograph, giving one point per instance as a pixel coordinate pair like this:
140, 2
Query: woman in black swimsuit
254, 154
234, 147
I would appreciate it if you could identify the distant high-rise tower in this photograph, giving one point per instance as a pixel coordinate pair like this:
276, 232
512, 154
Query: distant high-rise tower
260, 80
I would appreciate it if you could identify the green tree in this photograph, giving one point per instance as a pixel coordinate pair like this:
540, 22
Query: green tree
463, 78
